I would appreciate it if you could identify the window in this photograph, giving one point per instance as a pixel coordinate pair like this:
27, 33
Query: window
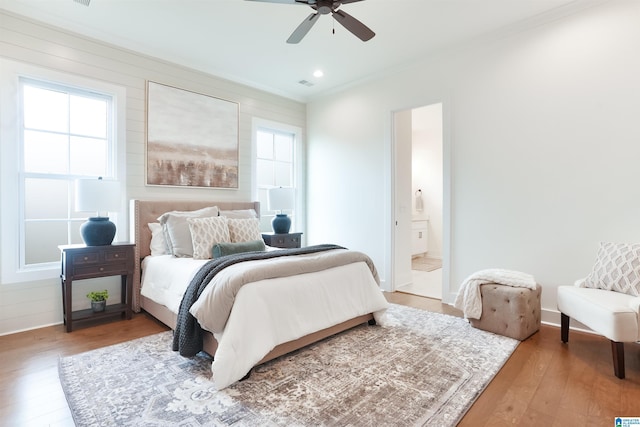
277, 154
62, 132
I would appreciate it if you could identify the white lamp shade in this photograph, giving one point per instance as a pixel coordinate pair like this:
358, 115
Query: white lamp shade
280, 198
97, 195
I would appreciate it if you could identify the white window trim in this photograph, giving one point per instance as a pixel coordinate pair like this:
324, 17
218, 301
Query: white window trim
299, 177
10, 73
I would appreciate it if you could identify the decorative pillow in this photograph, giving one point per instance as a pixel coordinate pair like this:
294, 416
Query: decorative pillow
176, 228
240, 213
158, 245
617, 268
222, 249
206, 232
244, 230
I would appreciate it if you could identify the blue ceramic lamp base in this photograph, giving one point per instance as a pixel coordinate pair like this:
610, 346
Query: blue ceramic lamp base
281, 224
98, 231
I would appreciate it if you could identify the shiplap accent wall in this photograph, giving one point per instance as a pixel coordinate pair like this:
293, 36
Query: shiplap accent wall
30, 305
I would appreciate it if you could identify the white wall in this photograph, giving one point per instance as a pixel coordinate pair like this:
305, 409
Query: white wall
30, 305
542, 128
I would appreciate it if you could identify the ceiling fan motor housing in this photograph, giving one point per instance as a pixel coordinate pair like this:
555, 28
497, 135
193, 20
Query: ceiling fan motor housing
325, 7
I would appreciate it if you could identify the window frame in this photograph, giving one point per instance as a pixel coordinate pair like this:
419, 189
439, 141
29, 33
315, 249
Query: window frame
298, 167
12, 176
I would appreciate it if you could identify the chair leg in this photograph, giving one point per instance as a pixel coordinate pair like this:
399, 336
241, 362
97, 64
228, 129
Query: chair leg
564, 327
617, 350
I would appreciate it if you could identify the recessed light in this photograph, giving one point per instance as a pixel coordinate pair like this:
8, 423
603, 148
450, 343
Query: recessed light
318, 73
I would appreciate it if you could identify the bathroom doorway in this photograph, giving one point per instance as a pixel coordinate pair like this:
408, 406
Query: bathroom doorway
419, 231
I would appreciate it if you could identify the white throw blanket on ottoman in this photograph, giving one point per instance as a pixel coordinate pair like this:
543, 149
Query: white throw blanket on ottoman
469, 299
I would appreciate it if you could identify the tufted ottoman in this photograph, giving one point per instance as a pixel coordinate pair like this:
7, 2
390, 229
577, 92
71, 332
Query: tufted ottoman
510, 311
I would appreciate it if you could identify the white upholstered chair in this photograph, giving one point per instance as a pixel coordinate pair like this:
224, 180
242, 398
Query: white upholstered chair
608, 300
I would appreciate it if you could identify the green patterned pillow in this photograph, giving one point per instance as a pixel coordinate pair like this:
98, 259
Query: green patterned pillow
222, 249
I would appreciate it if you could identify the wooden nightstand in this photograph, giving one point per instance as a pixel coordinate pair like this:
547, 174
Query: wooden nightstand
289, 240
88, 262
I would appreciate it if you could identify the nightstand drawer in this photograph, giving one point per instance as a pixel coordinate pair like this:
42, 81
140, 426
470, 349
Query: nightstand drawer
292, 241
289, 240
86, 257
99, 269
112, 256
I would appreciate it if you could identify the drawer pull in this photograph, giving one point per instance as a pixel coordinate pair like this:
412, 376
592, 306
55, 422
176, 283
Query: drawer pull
101, 268
116, 255
86, 258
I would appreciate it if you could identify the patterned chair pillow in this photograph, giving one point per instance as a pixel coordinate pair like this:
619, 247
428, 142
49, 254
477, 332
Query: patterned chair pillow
244, 230
207, 232
617, 268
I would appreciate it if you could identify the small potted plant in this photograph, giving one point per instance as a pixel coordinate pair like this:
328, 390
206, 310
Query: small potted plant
98, 300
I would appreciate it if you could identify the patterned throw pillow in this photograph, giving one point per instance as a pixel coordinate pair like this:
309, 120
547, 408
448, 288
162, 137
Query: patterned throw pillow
617, 268
244, 230
205, 233
176, 230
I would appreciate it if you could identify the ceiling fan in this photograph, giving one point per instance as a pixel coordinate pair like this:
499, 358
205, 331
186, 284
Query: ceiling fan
325, 7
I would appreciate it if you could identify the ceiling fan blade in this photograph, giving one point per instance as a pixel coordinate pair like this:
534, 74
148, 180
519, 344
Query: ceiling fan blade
358, 29
348, 1
276, 1
303, 28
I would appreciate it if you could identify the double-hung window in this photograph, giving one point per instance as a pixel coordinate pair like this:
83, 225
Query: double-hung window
63, 132
278, 164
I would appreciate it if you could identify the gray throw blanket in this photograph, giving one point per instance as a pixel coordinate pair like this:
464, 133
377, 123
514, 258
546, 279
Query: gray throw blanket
188, 335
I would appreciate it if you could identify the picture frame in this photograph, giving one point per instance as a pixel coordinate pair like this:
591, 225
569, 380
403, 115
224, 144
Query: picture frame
191, 139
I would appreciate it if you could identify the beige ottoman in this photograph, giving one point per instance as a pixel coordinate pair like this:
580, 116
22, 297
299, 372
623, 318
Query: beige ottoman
510, 311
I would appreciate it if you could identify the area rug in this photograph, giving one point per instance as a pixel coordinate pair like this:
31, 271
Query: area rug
423, 263
422, 369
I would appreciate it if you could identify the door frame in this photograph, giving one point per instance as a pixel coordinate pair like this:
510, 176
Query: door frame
392, 202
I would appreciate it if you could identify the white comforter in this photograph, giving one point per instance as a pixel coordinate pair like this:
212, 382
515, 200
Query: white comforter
269, 312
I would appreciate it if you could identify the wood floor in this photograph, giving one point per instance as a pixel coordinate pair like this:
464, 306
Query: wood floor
544, 383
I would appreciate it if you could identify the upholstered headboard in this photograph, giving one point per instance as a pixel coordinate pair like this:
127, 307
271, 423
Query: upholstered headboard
143, 212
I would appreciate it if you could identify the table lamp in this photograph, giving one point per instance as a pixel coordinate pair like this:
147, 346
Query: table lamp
100, 196
279, 199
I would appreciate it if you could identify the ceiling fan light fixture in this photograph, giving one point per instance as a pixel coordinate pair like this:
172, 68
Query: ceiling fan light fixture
318, 73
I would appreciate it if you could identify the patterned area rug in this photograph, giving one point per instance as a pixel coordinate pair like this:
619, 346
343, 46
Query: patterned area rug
423, 369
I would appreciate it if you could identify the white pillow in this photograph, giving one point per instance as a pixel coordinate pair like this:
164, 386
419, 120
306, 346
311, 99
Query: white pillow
244, 230
240, 213
176, 229
617, 268
206, 233
158, 244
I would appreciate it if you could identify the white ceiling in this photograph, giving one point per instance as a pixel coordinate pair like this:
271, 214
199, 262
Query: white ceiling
244, 41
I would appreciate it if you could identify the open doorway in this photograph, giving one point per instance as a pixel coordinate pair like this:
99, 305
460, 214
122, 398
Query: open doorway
419, 200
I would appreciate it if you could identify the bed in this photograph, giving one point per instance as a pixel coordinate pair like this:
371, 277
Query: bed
275, 325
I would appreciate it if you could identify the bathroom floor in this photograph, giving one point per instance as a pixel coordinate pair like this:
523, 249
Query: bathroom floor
425, 283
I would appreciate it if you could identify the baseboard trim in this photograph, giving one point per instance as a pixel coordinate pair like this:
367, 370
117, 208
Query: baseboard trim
552, 318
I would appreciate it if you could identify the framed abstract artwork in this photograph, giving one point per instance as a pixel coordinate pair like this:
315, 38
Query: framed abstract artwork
192, 139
